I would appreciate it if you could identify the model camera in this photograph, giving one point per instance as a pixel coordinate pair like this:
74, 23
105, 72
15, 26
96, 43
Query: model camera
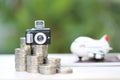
38, 35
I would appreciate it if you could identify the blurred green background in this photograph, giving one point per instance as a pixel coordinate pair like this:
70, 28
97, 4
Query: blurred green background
68, 19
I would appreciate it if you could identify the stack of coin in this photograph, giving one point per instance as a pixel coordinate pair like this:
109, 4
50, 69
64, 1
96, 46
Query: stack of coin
38, 61
40, 50
33, 62
47, 69
54, 61
65, 70
24, 46
20, 60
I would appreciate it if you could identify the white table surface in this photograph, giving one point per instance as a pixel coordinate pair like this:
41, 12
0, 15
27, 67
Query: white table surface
81, 71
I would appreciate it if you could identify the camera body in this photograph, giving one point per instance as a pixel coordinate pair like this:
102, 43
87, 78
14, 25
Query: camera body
38, 36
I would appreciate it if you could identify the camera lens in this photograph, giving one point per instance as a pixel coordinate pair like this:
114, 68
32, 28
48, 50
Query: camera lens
40, 38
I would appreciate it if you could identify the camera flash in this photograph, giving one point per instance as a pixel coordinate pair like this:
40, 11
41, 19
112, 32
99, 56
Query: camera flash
39, 24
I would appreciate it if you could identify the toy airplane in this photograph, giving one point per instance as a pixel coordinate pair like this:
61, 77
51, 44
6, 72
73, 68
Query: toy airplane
86, 46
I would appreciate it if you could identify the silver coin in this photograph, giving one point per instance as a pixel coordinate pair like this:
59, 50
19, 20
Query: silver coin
54, 61
22, 42
47, 69
20, 67
20, 62
27, 49
20, 57
24, 46
65, 70
40, 50
32, 69
34, 60
17, 50
20, 52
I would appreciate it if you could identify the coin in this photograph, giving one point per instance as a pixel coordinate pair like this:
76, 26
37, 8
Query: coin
55, 61
34, 60
32, 69
20, 55
22, 42
20, 60
24, 46
40, 50
47, 69
65, 70
20, 67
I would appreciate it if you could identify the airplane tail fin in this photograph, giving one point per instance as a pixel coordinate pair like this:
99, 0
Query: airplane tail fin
105, 37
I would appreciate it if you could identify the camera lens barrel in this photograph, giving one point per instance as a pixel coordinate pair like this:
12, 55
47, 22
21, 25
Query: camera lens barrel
40, 38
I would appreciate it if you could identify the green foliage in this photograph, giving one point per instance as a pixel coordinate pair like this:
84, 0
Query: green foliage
68, 19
